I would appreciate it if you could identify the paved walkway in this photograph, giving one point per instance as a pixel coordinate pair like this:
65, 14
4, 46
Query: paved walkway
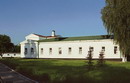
8, 75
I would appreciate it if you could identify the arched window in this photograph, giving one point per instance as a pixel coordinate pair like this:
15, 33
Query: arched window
26, 51
32, 50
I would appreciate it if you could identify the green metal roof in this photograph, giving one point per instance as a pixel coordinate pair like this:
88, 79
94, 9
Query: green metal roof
100, 37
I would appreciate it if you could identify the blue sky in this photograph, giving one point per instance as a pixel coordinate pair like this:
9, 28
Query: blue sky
19, 18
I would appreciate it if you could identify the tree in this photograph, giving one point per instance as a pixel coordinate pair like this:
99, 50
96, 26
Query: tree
116, 18
16, 49
101, 61
89, 58
5, 44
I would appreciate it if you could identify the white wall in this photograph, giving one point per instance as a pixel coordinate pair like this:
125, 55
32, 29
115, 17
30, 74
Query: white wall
85, 44
29, 54
32, 37
11, 55
29, 43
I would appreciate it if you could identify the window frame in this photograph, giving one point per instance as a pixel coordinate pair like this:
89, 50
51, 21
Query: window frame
69, 50
25, 51
50, 51
80, 50
115, 49
41, 51
91, 48
32, 50
60, 50
103, 48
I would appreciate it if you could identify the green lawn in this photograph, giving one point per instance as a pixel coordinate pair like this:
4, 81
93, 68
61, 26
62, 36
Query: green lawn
70, 71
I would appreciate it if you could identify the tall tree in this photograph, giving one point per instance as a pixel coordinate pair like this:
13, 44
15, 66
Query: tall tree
116, 18
5, 44
16, 49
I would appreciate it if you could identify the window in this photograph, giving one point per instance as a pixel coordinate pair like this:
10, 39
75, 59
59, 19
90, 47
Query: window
80, 50
103, 48
115, 49
69, 50
32, 50
50, 51
60, 51
41, 50
91, 48
26, 51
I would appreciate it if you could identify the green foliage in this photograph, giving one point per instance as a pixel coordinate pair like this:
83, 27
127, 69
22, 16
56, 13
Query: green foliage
11, 62
5, 44
16, 49
116, 18
101, 61
89, 60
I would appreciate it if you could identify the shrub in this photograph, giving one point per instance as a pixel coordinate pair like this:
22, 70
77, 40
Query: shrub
101, 60
89, 58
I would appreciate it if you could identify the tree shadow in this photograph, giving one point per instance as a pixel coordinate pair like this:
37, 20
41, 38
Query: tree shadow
50, 72
106, 74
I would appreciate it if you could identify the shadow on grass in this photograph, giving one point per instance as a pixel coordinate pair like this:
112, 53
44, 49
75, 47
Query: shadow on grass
11, 62
106, 74
51, 71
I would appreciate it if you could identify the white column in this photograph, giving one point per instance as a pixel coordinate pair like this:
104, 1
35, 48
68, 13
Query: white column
22, 51
37, 50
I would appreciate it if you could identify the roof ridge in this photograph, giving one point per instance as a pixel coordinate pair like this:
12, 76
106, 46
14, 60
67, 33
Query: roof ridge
99, 37
43, 36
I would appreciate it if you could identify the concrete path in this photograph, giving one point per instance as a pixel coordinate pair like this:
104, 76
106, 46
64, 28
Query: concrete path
8, 75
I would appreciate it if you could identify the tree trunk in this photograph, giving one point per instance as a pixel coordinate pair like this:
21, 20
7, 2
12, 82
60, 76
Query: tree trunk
124, 58
1, 55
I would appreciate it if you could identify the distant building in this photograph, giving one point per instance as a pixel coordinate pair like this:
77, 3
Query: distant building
15, 55
55, 46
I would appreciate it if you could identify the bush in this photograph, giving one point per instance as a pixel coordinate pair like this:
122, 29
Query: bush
101, 60
89, 58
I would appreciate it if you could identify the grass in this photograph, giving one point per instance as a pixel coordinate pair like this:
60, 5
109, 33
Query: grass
70, 71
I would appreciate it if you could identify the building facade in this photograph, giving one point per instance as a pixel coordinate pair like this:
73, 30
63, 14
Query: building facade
54, 46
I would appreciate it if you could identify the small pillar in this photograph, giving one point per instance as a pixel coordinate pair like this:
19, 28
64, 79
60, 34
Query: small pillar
124, 58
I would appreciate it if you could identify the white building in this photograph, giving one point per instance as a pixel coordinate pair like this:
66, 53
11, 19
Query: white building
38, 46
15, 55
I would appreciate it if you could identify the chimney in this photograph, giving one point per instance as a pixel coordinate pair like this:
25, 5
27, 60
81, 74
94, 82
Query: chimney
53, 33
